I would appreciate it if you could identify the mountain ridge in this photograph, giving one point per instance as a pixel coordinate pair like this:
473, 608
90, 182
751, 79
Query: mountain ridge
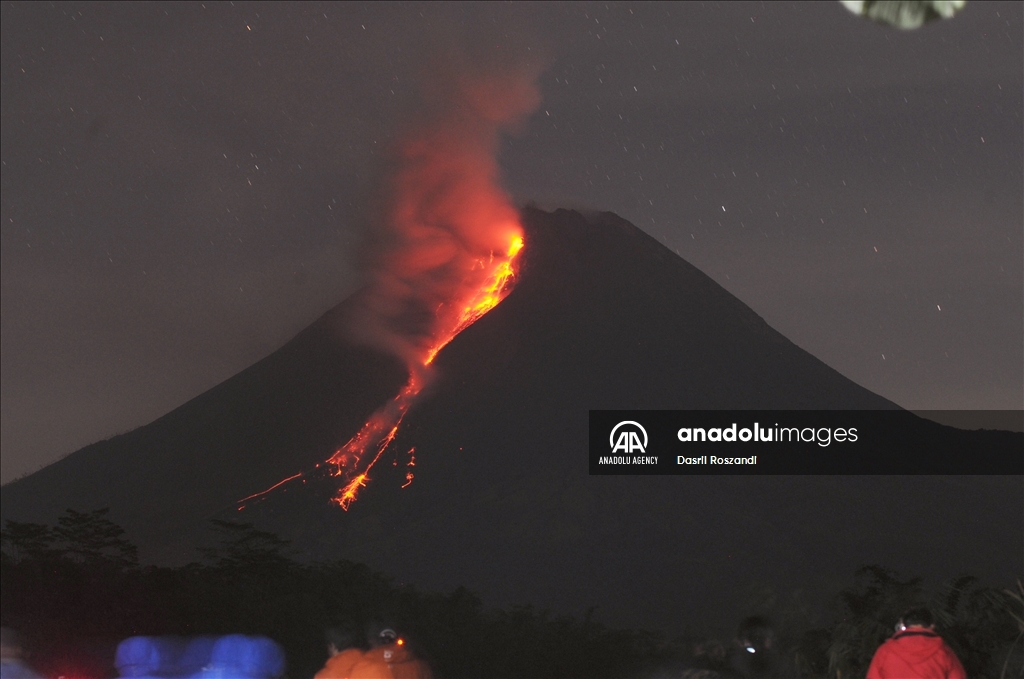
602, 317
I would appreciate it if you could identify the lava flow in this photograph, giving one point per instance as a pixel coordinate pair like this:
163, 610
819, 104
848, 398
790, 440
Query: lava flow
380, 430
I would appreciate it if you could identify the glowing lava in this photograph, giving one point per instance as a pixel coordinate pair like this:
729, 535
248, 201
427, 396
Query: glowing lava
485, 299
380, 430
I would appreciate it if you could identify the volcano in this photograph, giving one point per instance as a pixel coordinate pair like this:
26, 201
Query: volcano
602, 316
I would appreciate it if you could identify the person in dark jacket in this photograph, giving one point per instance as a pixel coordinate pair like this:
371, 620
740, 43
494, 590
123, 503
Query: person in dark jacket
755, 655
915, 652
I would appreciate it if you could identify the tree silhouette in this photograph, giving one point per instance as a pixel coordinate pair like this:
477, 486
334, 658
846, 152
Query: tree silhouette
869, 610
90, 537
244, 546
27, 540
977, 622
77, 586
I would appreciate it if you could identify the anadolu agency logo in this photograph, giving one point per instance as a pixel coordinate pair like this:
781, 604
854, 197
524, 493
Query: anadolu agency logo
631, 438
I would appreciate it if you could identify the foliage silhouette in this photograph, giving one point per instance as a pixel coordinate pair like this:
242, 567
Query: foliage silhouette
977, 622
1014, 662
76, 589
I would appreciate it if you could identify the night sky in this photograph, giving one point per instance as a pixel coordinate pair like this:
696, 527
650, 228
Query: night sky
184, 187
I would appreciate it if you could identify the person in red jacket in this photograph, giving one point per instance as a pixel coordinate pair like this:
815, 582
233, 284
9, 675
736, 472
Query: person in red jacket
344, 655
915, 652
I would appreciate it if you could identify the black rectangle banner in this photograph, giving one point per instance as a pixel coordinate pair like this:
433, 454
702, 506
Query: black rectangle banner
694, 442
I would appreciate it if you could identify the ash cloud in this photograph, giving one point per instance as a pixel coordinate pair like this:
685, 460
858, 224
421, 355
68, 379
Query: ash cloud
441, 213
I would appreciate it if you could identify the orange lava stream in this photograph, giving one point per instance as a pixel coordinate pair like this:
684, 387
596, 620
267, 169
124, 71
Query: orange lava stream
382, 427
409, 476
488, 297
264, 492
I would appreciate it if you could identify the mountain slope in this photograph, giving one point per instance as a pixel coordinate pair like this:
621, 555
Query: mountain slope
602, 317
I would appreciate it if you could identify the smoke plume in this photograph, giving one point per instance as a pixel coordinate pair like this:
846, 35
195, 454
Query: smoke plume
443, 216
445, 247
450, 236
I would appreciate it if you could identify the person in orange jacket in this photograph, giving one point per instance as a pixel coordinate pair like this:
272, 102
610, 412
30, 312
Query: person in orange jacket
344, 655
915, 652
390, 658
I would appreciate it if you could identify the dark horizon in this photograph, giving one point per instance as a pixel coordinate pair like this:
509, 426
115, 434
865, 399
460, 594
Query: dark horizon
228, 590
